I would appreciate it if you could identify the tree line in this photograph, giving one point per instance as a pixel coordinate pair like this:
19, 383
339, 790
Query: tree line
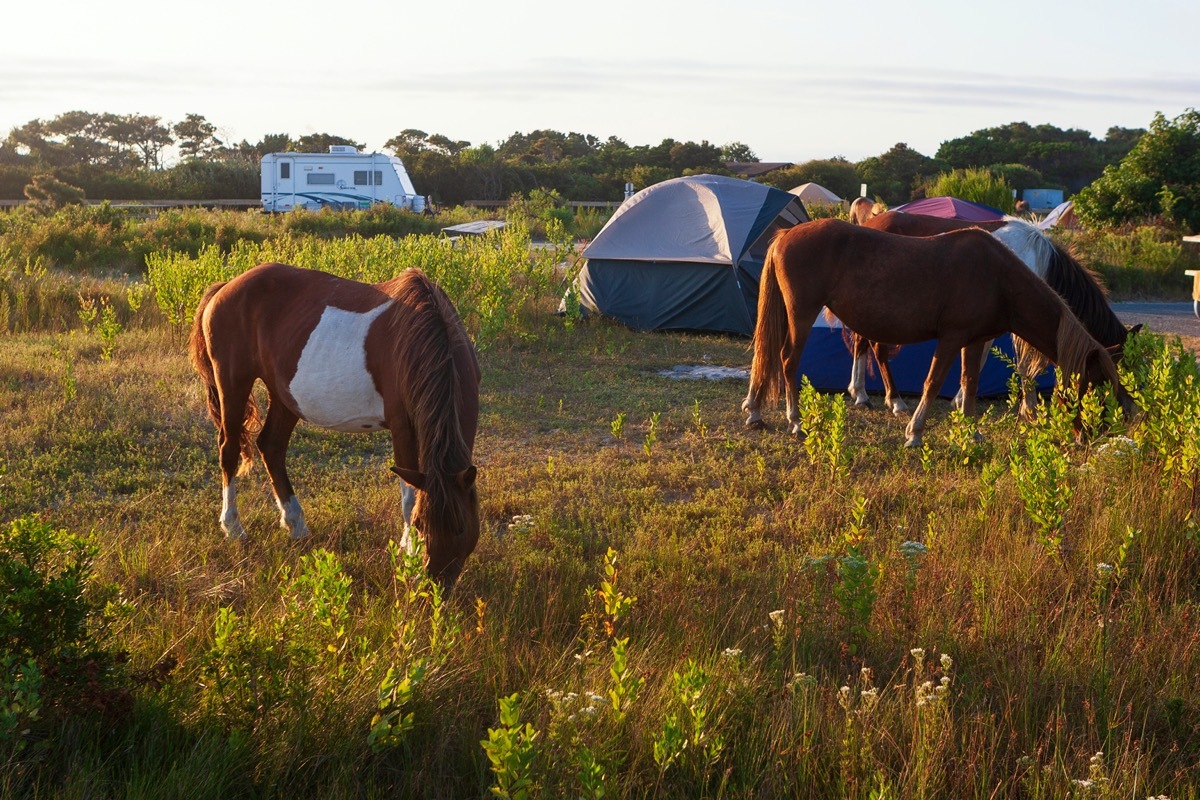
120, 157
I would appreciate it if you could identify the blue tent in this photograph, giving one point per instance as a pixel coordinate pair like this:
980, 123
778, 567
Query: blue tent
686, 254
826, 362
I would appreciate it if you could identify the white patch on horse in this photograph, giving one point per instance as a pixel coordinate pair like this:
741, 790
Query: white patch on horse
332, 386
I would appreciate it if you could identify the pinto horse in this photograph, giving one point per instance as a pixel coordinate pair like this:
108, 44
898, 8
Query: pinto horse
1077, 285
961, 288
351, 357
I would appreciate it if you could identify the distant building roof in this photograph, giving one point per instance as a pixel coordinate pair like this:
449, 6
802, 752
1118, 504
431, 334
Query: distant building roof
755, 169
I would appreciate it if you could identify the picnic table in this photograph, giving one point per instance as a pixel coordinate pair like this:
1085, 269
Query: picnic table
1194, 274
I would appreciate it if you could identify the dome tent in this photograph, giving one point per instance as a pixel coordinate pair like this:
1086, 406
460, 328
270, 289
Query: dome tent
686, 254
816, 194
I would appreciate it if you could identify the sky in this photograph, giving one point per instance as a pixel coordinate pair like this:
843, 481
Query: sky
794, 81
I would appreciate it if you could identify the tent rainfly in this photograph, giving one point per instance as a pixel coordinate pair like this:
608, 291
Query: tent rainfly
951, 208
686, 254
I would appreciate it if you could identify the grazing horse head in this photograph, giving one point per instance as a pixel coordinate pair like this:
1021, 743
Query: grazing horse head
446, 517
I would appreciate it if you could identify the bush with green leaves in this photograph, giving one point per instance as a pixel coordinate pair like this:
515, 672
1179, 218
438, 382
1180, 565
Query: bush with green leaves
1158, 178
977, 185
52, 626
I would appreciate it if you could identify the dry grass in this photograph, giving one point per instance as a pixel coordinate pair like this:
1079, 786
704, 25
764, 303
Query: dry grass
715, 528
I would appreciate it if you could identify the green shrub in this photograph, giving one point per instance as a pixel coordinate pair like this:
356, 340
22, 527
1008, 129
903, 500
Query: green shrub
977, 185
47, 619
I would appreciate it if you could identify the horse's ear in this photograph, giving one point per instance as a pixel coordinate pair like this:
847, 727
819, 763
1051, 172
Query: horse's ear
412, 477
466, 478
1130, 331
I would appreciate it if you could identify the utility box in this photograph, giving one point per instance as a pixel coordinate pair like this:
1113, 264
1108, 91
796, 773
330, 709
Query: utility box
1042, 200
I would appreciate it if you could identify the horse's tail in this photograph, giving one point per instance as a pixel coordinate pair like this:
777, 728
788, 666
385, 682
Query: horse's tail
202, 362
770, 332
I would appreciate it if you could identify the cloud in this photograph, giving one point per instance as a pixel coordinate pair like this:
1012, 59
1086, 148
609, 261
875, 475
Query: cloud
558, 80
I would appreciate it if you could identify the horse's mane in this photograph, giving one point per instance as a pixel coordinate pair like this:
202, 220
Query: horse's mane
426, 332
1086, 295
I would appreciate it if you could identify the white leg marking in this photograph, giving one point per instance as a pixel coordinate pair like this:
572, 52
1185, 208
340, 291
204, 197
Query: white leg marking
408, 498
899, 406
230, 522
291, 517
858, 381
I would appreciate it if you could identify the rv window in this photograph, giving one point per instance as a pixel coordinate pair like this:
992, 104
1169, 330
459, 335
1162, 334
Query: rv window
364, 178
321, 178
285, 171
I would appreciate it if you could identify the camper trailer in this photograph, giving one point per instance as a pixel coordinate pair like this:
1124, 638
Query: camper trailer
341, 179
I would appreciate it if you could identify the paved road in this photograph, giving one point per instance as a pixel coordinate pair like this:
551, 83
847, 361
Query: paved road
1160, 317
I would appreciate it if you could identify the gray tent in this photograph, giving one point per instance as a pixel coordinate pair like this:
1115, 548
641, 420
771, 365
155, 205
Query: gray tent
686, 254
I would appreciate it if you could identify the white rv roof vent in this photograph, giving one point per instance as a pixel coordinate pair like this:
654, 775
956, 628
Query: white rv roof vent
342, 148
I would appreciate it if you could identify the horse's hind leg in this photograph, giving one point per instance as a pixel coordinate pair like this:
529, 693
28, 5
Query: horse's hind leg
943, 359
273, 444
891, 395
800, 322
234, 394
959, 399
858, 371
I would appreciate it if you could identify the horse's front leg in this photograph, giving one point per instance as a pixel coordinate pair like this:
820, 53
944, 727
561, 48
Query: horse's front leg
405, 453
273, 445
408, 498
943, 358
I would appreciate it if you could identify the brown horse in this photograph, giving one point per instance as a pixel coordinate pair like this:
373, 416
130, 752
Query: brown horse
1078, 286
351, 357
961, 288
863, 209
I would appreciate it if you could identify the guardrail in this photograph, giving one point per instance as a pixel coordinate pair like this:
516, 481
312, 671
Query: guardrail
150, 205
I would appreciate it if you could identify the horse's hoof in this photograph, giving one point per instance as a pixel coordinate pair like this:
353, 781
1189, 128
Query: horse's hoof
863, 404
756, 424
234, 532
913, 442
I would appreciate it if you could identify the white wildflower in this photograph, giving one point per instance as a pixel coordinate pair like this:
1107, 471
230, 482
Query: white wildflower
844, 697
911, 549
918, 654
1104, 569
776, 617
732, 653
947, 662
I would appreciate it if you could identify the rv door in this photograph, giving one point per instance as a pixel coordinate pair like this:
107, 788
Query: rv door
285, 183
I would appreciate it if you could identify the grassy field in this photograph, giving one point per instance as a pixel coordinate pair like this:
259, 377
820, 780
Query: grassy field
661, 604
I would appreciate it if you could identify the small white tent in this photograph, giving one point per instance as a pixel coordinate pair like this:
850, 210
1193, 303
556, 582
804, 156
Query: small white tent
816, 194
